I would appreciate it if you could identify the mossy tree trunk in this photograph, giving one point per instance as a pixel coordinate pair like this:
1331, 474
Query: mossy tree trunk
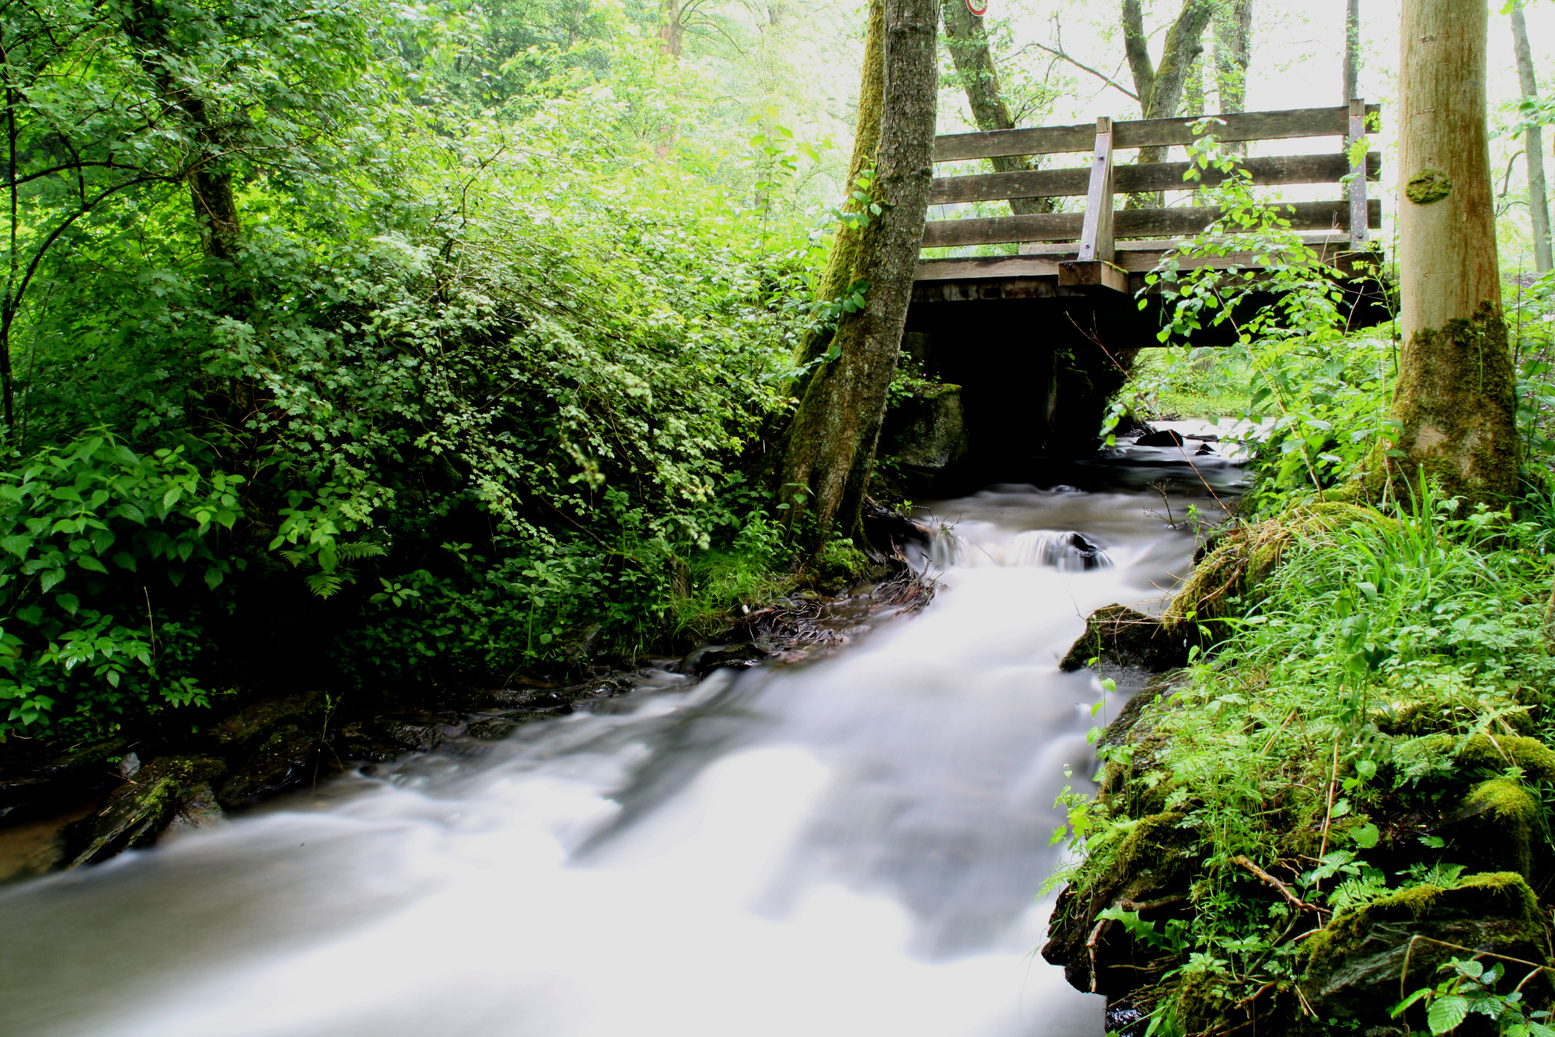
966, 37
843, 261
829, 448
1454, 402
1160, 87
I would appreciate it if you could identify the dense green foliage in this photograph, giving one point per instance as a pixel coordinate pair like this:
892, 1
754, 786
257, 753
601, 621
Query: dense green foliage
388, 329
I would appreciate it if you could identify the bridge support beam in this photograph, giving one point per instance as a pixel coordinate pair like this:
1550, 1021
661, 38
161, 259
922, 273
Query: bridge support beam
1092, 274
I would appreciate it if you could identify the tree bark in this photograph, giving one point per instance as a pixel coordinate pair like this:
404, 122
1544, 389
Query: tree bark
1233, 55
210, 187
671, 36
1160, 86
829, 448
1533, 143
1352, 50
1454, 402
967, 40
844, 257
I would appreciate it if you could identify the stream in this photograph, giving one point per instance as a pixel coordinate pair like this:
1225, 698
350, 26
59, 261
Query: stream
852, 846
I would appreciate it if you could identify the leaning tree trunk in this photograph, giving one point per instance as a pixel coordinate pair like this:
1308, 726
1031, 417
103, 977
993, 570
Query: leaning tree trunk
844, 257
1533, 142
1454, 402
967, 40
1160, 86
829, 448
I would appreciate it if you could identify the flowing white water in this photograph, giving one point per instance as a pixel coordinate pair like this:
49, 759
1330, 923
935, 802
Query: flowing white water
851, 847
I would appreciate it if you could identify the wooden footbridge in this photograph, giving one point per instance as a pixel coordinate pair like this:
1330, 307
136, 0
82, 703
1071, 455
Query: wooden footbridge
1039, 339
1099, 256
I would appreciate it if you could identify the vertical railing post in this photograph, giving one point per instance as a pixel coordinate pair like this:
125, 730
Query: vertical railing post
1096, 236
1358, 235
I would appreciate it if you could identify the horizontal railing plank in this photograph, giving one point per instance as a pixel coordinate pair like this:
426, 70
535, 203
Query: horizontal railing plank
1129, 223
1134, 261
1154, 176
1056, 140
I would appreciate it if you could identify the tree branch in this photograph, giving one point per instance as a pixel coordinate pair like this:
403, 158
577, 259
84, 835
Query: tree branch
1082, 65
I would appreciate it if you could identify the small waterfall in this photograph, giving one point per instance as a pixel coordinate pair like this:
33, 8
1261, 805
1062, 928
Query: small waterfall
948, 549
1066, 552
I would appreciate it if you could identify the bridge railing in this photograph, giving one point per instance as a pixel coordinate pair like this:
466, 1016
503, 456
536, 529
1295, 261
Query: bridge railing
1092, 236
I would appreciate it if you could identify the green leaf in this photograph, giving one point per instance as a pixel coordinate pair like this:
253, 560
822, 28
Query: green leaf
50, 578
91, 564
1399, 1009
1447, 1013
17, 544
69, 602
1365, 836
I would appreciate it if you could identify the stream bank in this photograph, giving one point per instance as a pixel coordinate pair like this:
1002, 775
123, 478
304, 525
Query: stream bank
1298, 831
63, 806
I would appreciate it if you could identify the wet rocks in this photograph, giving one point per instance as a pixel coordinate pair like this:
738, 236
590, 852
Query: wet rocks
271, 744
707, 658
142, 807
1121, 636
1358, 962
1163, 437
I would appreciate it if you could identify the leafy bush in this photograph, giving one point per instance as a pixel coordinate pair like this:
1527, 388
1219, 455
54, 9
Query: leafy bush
106, 553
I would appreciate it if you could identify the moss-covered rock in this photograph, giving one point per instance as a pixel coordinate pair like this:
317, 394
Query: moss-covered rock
141, 807
1493, 829
1241, 560
1356, 965
1149, 871
1121, 636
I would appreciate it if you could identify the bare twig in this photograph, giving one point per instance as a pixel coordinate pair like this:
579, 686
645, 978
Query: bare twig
1333, 779
1082, 65
1285, 891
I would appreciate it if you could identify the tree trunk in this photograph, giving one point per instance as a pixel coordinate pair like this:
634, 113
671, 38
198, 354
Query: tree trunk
1160, 86
844, 257
1233, 55
210, 188
1454, 402
1533, 142
671, 34
967, 39
1352, 49
1193, 89
829, 448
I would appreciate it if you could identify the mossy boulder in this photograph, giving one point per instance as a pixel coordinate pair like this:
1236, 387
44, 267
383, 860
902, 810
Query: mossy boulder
1237, 563
1121, 636
139, 809
1359, 962
1493, 828
270, 745
1149, 872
